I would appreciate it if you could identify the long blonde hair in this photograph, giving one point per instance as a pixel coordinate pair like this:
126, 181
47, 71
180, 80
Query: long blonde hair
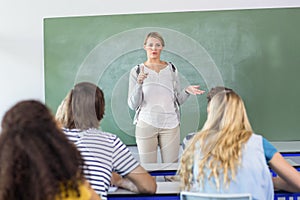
219, 143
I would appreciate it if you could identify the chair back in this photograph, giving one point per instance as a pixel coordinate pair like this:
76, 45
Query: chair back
205, 196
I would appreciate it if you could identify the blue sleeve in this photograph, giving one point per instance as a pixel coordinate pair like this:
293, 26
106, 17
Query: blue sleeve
269, 149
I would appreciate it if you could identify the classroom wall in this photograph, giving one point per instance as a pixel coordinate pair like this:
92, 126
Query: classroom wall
21, 34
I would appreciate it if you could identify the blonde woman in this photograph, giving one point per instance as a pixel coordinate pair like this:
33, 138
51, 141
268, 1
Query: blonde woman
155, 94
227, 157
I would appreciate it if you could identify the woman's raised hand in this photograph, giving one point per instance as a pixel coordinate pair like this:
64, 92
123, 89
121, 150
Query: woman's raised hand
142, 76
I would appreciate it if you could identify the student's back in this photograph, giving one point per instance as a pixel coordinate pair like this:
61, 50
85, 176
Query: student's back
253, 174
103, 153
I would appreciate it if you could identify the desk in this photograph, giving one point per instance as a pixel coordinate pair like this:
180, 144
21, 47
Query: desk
170, 169
161, 169
293, 160
165, 190
171, 191
288, 146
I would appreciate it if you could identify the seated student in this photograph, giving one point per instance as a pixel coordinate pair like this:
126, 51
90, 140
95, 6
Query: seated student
227, 157
37, 160
80, 114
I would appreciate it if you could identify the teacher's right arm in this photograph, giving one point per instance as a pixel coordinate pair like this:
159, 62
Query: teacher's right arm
135, 93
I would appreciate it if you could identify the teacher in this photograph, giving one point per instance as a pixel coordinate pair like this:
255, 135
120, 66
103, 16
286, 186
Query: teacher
155, 95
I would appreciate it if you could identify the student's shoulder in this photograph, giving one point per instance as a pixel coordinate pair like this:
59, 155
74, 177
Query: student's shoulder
71, 133
109, 135
255, 141
92, 134
101, 133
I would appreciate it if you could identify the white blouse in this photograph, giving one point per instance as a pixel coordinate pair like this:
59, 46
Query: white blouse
158, 107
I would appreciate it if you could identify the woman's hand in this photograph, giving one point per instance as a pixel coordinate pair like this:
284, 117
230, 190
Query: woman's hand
194, 90
142, 76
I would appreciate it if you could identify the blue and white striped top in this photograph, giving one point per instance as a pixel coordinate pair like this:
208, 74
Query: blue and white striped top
102, 153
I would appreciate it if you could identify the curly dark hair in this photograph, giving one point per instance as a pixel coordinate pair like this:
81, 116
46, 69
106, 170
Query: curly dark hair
36, 159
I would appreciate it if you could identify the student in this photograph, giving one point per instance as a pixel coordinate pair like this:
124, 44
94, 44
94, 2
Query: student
155, 94
227, 157
37, 160
80, 114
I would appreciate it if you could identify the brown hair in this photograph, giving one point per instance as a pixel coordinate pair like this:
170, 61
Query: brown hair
83, 107
36, 157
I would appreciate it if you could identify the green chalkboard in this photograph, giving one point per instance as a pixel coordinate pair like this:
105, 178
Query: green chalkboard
255, 52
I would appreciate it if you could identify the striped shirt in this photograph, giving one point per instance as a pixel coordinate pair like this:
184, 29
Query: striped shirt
102, 153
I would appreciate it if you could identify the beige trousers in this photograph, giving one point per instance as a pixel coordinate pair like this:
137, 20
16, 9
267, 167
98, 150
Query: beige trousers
148, 138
